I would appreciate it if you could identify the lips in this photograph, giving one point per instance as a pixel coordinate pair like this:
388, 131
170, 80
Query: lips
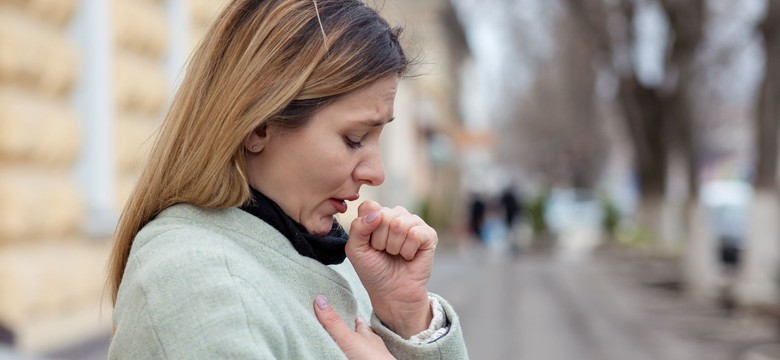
340, 204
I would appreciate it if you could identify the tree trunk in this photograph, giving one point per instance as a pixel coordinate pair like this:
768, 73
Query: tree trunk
700, 269
759, 272
675, 210
643, 113
650, 215
701, 272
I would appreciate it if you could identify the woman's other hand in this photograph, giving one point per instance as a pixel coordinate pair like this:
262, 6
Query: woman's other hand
392, 252
356, 345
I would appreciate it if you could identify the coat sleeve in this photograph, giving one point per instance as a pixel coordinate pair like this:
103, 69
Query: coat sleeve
449, 346
182, 302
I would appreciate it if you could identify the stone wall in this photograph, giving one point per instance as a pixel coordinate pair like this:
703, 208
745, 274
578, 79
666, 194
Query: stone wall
52, 269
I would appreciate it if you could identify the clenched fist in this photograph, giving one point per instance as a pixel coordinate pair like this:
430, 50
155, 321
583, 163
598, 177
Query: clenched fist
392, 251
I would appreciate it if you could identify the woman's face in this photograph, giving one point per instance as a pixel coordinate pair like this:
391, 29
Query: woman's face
311, 172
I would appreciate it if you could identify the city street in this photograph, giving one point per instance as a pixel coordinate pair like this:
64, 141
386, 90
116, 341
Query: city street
541, 306
538, 306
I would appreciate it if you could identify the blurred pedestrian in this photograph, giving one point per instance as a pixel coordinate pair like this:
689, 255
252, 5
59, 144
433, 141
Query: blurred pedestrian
228, 247
477, 211
512, 207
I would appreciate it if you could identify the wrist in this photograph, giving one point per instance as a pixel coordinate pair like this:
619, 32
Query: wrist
406, 319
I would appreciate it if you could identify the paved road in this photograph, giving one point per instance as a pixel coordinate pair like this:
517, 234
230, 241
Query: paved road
539, 307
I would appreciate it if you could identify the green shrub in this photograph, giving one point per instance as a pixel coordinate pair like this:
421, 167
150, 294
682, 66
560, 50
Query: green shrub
536, 210
611, 219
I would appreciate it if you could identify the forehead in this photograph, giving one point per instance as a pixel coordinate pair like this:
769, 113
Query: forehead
374, 102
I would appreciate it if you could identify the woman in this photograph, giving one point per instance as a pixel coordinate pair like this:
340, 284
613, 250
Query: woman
228, 247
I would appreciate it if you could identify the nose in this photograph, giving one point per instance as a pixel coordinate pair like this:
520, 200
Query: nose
370, 171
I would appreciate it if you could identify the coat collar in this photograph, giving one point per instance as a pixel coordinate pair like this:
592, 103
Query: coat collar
256, 236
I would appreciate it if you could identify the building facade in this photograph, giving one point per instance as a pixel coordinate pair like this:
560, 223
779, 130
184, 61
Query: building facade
84, 85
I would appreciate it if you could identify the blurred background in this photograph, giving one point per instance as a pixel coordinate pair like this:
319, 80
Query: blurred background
602, 173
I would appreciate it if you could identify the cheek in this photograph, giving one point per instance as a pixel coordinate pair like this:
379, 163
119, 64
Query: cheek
330, 167
322, 169
327, 181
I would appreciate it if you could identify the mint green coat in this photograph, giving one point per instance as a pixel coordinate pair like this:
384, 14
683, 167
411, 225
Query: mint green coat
223, 284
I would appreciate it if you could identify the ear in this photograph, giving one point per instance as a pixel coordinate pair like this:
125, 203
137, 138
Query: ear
257, 139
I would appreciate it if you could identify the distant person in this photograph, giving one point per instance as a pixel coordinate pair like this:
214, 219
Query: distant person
512, 208
228, 247
477, 211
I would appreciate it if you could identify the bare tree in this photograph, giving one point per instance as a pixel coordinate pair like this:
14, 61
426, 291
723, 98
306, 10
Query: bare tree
686, 20
555, 130
658, 117
758, 283
768, 103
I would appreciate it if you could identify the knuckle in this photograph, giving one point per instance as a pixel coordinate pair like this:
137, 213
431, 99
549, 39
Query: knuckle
397, 226
400, 210
417, 241
414, 232
417, 233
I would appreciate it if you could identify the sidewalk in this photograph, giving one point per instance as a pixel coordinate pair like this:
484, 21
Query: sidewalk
610, 305
7, 353
95, 349
656, 287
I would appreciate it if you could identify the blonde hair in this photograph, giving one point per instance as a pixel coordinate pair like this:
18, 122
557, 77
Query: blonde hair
262, 63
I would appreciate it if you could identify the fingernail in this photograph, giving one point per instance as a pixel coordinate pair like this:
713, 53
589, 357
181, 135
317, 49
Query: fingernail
322, 302
371, 217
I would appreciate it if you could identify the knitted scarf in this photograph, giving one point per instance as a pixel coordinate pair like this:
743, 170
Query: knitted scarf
328, 249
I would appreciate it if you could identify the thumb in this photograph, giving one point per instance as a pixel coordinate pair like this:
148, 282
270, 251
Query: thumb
367, 221
332, 322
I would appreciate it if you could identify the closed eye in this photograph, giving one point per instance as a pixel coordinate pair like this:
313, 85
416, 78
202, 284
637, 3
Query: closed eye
353, 144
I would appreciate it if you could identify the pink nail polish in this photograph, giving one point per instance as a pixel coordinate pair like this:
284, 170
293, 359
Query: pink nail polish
371, 217
322, 302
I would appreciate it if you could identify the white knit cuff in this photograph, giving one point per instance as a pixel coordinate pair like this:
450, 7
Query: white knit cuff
438, 326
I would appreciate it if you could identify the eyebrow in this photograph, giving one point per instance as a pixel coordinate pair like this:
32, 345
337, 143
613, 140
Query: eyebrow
376, 123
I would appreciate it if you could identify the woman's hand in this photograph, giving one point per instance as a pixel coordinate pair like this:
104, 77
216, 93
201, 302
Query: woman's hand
392, 252
356, 345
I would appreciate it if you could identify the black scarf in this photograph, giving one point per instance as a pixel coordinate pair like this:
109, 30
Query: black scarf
328, 249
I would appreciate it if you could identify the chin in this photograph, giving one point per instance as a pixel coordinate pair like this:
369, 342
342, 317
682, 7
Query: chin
322, 227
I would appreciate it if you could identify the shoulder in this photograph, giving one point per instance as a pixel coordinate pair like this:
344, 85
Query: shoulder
188, 226
184, 278
185, 253
186, 235
186, 248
